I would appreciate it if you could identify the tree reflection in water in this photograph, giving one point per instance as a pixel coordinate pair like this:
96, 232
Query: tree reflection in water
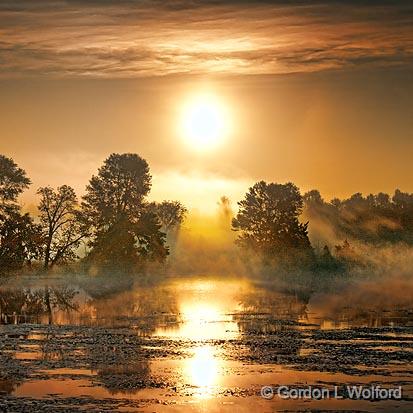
274, 315
27, 305
269, 311
144, 309
116, 358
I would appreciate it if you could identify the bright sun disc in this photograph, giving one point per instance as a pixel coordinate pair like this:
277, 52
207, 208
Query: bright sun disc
204, 123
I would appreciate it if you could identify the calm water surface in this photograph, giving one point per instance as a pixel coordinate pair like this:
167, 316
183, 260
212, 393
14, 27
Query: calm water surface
205, 344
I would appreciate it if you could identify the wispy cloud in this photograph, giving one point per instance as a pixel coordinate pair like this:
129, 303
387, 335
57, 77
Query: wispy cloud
127, 38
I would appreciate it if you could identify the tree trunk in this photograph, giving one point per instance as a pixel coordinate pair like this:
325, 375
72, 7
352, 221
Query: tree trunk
48, 305
47, 254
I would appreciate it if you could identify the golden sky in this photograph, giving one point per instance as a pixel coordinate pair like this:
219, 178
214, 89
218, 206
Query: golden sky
318, 93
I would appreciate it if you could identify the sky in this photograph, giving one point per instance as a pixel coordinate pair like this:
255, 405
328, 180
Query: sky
317, 93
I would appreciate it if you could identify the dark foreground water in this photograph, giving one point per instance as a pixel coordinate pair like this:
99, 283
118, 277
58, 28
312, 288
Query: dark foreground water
202, 344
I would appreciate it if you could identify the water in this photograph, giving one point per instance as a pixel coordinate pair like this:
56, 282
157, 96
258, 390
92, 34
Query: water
198, 344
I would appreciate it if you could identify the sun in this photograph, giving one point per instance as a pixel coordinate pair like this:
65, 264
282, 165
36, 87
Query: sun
204, 122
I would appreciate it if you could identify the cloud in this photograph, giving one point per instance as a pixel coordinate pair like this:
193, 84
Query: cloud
127, 38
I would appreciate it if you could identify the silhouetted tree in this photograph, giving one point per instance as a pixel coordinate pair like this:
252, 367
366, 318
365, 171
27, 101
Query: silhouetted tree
335, 202
19, 236
225, 212
118, 190
122, 232
313, 197
402, 200
13, 181
171, 214
150, 239
20, 241
326, 263
268, 222
372, 219
62, 232
126, 245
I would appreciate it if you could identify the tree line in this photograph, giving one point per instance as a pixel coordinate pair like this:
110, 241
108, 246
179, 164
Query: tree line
119, 227
273, 222
122, 231
374, 219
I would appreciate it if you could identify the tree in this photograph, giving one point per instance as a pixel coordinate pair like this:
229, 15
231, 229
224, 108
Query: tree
336, 203
119, 189
60, 225
127, 245
402, 200
268, 222
19, 236
313, 197
225, 213
13, 181
171, 214
116, 247
382, 200
20, 241
150, 239
122, 232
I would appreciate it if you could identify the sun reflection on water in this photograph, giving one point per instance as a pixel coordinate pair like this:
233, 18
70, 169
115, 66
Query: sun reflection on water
203, 370
205, 312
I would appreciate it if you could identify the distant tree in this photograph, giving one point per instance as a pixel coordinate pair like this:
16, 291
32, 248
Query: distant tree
376, 218
118, 190
356, 202
268, 222
127, 245
326, 254
313, 197
13, 181
115, 248
225, 211
382, 200
403, 205
20, 241
344, 248
62, 232
402, 200
335, 202
115, 211
19, 236
313, 203
347, 255
326, 261
171, 214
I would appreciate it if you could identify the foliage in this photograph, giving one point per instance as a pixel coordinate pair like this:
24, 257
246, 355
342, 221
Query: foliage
19, 235
122, 232
62, 232
268, 222
374, 219
13, 180
126, 245
20, 241
150, 238
118, 190
171, 214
